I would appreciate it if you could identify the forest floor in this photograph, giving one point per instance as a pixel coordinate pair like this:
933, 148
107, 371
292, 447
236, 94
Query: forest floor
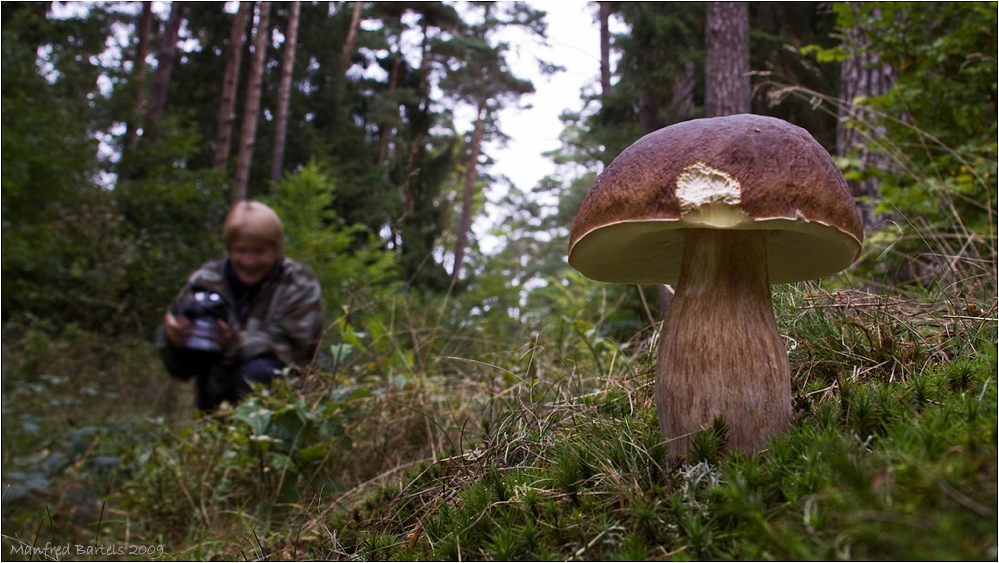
415, 449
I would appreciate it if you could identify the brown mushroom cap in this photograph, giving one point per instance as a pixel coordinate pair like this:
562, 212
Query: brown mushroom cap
744, 172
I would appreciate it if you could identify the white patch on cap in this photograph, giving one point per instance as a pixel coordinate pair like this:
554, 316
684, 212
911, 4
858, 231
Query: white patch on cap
709, 195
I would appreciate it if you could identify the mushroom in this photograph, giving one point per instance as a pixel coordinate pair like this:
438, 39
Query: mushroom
722, 207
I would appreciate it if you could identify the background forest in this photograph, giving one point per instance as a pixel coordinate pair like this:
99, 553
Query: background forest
471, 404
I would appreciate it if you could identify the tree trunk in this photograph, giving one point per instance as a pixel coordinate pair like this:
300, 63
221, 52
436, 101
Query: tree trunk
251, 108
605, 71
139, 71
385, 128
683, 91
471, 175
414, 143
862, 74
230, 81
284, 95
161, 80
726, 73
348, 45
648, 110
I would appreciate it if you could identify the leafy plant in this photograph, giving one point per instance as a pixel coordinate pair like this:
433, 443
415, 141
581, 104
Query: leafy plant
348, 260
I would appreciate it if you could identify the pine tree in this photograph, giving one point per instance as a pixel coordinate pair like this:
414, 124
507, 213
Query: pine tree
727, 83
251, 108
284, 93
484, 81
230, 82
139, 69
164, 61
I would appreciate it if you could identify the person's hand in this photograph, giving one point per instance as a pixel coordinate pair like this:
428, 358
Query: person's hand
224, 333
176, 328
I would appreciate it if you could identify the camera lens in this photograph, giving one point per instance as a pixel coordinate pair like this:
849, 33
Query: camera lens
204, 335
204, 308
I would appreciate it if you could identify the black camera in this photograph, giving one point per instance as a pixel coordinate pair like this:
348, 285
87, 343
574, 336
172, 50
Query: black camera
204, 309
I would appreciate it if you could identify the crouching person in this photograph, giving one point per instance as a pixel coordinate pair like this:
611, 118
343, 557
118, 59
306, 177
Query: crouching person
244, 317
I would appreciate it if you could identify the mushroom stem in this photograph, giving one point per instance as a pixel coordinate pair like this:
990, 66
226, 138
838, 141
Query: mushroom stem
720, 353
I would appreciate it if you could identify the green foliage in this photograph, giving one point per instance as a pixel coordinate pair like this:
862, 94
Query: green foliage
673, 35
47, 153
348, 260
884, 464
65, 432
938, 125
112, 260
53, 218
170, 221
269, 446
67, 266
946, 89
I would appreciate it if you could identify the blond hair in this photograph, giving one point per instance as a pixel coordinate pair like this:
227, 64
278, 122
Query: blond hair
254, 220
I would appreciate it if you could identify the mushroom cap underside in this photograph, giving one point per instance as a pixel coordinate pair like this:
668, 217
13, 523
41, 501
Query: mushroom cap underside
648, 252
741, 172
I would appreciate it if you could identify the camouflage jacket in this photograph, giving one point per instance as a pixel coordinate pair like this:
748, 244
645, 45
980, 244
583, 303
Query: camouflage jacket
281, 318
